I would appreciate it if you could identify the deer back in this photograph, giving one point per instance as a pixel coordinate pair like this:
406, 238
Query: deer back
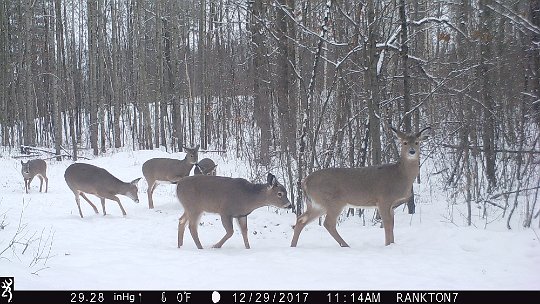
98, 181
357, 186
169, 169
228, 196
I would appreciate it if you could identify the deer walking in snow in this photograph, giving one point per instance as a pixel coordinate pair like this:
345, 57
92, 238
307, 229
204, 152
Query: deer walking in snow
328, 191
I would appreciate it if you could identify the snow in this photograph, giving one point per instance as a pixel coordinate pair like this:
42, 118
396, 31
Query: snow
139, 252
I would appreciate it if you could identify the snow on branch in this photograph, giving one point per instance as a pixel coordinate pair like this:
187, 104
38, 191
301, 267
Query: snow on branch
443, 20
391, 42
518, 20
430, 19
307, 30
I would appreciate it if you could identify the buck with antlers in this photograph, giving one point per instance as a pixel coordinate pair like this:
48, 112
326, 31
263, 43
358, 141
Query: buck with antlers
328, 191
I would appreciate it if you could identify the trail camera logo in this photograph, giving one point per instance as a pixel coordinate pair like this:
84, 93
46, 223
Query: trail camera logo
7, 286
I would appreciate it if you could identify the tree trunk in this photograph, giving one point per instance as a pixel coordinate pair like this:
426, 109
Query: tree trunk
117, 88
286, 106
92, 81
488, 131
29, 101
371, 60
261, 94
59, 80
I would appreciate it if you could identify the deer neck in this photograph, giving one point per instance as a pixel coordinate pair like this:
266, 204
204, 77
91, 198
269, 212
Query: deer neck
409, 167
185, 163
122, 187
259, 197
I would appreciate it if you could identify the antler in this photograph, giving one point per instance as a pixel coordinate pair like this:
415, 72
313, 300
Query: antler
424, 129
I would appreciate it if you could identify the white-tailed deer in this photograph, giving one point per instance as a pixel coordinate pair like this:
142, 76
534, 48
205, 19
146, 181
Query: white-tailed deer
228, 197
205, 166
328, 191
32, 168
168, 170
85, 178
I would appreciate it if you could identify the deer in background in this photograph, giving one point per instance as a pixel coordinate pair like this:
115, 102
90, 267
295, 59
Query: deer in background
328, 191
228, 197
32, 168
168, 170
205, 166
85, 178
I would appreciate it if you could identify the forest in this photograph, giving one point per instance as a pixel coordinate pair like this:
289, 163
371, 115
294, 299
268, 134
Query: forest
290, 86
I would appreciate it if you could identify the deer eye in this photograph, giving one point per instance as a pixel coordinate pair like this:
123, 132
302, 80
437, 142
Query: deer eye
280, 194
416, 143
404, 143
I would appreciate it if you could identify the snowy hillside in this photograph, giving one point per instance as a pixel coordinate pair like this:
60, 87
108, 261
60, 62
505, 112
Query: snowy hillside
139, 251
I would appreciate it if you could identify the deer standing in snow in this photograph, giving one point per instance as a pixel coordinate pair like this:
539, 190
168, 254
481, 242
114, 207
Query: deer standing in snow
328, 191
32, 168
168, 170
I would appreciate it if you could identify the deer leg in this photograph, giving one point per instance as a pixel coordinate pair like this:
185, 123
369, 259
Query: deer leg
29, 181
330, 224
387, 216
86, 198
182, 221
151, 187
116, 199
46, 184
228, 225
78, 200
103, 205
40, 182
242, 222
301, 222
26, 185
193, 225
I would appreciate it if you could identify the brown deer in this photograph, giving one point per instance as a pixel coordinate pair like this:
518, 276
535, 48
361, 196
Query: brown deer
32, 168
205, 166
85, 178
229, 197
168, 170
328, 191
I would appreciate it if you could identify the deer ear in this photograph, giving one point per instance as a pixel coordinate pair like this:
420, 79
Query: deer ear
135, 181
196, 148
423, 134
269, 178
22, 163
398, 133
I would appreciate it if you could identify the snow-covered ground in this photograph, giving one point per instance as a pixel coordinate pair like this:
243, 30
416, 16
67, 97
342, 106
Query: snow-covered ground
139, 251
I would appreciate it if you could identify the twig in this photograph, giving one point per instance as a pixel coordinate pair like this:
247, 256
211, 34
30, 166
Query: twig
29, 148
212, 151
26, 156
481, 149
537, 237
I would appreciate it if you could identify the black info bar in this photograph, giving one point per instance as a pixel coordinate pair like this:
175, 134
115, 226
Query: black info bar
293, 296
